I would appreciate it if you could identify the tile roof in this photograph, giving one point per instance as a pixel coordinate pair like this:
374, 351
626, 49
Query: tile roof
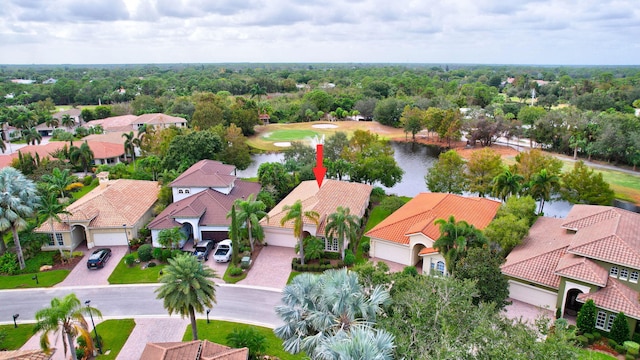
159, 119
106, 150
192, 350
211, 206
537, 257
605, 233
582, 269
110, 137
420, 213
427, 251
206, 173
26, 355
114, 123
324, 200
101, 150
70, 112
615, 297
119, 202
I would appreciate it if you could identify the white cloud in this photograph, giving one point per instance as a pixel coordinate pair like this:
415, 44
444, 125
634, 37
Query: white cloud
453, 31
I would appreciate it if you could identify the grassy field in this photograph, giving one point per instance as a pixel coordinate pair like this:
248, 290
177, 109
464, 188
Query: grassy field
134, 275
289, 135
83, 191
24, 281
15, 337
217, 332
114, 334
594, 355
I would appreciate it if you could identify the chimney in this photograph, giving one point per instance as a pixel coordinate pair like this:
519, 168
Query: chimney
103, 178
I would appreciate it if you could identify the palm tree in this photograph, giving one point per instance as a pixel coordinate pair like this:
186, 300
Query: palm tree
295, 213
51, 208
455, 238
58, 180
257, 90
82, 156
129, 145
542, 185
507, 184
250, 212
52, 122
67, 121
66, 314
319, 307
32, 136
342, 225
18, 201
362, 342
187, 287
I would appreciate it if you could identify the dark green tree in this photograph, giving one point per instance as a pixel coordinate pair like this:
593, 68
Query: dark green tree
456, 237
389, 111
586, 320
482, 168
620, 328
447, 174
582, 185
483, 265
186, 150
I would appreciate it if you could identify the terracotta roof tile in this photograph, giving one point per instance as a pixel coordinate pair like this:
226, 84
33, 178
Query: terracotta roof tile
26, 355
537, 257
420, 213
120, 202
159, 119
192, 350
324, 200
114, 123
206, 173
427, 251
615, 297
605, 233
582, 269
210, 206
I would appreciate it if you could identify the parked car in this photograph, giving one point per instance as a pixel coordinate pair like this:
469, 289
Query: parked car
203, 249
223, 251
98, 258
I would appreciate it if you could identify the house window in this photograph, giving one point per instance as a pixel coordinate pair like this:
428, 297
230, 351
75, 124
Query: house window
610, 322
440, 267
601, 319
634, 277
624, 274
180, 191
331, 244
58, 237
186, 191
614, 271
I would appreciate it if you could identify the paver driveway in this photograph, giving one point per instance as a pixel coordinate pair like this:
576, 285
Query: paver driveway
81, 276
271, 269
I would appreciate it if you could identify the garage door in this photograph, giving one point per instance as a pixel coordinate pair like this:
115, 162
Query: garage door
279, 237
113, 239
532, 295
391, 252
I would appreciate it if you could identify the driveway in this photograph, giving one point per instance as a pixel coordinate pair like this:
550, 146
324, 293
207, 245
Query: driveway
271, 269
526, 312
81, 276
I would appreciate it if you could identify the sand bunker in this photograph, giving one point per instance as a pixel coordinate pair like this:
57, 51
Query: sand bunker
324, 126
282, 144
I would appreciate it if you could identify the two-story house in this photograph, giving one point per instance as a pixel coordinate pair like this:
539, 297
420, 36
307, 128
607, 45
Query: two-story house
593, 253
202, 198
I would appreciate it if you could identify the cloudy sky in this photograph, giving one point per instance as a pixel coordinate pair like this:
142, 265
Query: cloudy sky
423, 31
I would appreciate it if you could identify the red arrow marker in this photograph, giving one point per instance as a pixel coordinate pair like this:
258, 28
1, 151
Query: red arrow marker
319, 171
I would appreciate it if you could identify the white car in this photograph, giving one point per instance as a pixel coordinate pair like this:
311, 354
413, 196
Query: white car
223, 251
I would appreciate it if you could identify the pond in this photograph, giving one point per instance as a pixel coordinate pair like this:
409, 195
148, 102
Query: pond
415, 160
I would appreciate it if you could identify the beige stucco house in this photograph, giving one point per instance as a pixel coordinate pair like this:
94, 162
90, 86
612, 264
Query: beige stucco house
407, 236
323, 200
109, 215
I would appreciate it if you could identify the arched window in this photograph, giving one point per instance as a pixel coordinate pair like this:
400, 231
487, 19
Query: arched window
180, 191
440, 267
186, 191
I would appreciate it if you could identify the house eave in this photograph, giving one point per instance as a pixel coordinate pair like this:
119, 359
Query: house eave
588, 256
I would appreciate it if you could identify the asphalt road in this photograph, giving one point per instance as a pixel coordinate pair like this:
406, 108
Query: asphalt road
237, 303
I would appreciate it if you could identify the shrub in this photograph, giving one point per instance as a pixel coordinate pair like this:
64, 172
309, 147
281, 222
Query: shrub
620, 349
87, 180
620, 328
166, 255
145, 252
331, 255
365, 247
629, 357
410, 270
235, 271
157, 253
349, 258
391, 203
636, 337
249, 338
9, 263
582, 340
151, 264
612, 343
632, 347
589, 337
597, 336
129, 260
586, 320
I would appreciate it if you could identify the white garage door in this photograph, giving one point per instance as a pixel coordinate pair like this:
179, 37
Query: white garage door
391, 252
278, 237
113, 239
532, 295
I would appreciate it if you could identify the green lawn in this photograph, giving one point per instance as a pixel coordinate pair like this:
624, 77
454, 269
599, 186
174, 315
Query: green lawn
14, 338
114, 333
23, 281
593, 355
217, 332
289, 135
134, 275
232, 279
83, 191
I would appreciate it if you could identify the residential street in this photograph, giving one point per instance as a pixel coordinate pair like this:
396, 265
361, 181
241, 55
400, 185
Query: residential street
235, 302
